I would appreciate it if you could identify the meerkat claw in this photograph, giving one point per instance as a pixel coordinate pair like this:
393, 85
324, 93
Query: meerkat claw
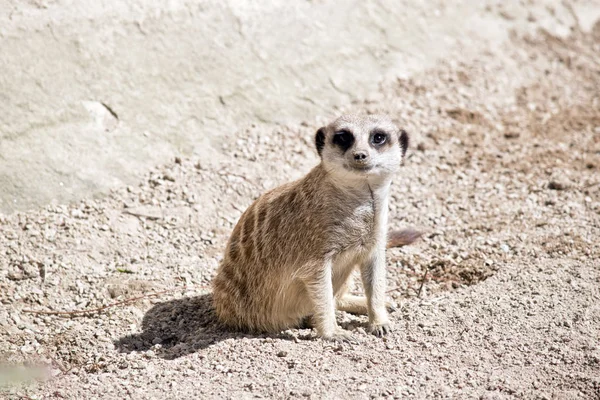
339, 336
381, 330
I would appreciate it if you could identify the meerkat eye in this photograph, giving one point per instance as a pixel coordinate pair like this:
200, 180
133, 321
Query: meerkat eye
379, 137
343, 139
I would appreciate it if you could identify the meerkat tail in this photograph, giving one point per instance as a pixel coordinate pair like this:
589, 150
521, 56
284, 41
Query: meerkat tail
402, 238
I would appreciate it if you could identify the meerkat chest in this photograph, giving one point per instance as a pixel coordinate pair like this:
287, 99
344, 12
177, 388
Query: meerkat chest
364, 220
358, 229
360, 219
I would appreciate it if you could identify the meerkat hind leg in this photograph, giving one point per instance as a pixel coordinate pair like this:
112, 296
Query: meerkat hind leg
355, 304
347, 302
358, 304
352, 304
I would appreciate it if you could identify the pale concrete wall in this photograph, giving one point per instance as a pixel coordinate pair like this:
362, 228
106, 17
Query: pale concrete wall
93, 92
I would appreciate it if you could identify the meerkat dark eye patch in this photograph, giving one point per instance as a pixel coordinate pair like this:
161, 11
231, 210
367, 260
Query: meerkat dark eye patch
378, 137
343, 139
320, 140
403, 141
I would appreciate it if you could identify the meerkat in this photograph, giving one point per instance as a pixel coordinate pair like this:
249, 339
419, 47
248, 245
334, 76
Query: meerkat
292, 253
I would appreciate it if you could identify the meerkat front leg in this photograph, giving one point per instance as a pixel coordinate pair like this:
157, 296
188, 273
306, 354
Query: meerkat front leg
320, 292
373, 277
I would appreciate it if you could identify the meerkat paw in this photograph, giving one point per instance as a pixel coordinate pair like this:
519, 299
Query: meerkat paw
380, 330
358, 305
339, 335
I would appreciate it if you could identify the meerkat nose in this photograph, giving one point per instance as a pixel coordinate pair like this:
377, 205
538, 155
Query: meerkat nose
360, 155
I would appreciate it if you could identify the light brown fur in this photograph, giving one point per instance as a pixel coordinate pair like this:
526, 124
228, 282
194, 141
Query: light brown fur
294, 249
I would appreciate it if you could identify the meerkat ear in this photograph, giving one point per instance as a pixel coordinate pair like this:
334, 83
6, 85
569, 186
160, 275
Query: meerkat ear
320, 140
403, 141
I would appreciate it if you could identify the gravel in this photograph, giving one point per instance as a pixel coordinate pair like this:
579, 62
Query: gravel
500, 299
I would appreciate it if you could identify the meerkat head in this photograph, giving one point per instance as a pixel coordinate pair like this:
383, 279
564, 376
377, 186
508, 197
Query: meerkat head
354, 146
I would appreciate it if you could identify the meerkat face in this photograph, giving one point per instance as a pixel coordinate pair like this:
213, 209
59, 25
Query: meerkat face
361, 146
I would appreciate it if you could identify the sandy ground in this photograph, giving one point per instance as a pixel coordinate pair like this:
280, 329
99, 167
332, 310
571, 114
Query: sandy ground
503, 176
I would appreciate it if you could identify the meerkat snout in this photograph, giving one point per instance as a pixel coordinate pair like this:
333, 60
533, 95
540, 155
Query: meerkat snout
293, 251
360, 156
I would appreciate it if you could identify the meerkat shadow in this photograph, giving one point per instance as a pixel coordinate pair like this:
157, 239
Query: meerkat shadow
179, 327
